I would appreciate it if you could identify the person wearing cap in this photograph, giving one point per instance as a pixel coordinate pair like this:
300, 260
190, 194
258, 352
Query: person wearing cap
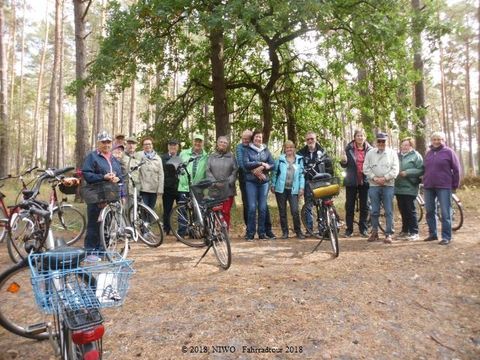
442, 177
170, 186
119, 140
128, 161
197, 168
150, 175
221, 165
381, 167
99, 165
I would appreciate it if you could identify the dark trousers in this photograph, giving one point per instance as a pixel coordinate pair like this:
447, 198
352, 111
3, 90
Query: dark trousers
92, 239
149, 199
350, 200
282, 199
406, 206
168, 198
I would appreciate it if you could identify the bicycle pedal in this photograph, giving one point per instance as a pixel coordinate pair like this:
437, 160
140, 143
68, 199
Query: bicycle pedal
38, 328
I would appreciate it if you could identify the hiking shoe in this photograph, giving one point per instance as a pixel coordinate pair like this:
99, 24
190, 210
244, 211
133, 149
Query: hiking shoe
347, 234
444, 242
413, 237
388, 239
431, 238
373, 236
364, 234
300, 236
270, 235
285, 235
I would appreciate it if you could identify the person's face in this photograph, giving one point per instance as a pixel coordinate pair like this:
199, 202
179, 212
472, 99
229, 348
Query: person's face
359, 139
173, 149
148, 146
197, 145
405, 146
131, 147
436, 141
289, 150
104, 146
222, 145
246, 139
258, 139
381, 144
117, 153
311, 140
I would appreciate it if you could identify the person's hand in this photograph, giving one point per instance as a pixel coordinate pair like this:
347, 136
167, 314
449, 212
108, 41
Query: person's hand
344, 158
109, 176
300, 192
272, 188
115, 179
258, 170
402, 173
266, 166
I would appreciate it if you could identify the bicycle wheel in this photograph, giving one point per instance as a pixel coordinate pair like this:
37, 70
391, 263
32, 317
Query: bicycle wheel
19, 313
457, 213
315, 229
113, 235
419, 208
333, 231
3, 225
68, 223
184, 228
221, 240
147, 224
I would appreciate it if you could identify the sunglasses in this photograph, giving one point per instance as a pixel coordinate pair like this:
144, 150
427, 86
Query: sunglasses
381, 141
308, 139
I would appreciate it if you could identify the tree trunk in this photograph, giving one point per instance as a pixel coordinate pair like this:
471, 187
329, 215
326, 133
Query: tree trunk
443, 94
4, 169
21, 113
419, 86
53, 101
99, 110
61, 128
291, 121
220, 111
133, 109
478, 92
121, 126
36, 113
81, 146
11, 113
266, 116
468, 108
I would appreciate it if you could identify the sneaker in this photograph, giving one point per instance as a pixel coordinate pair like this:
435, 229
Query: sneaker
388, 239
300, 236
364, 234
285, 235
347, 234
413, 237
263, 237
373, 237
444, 242
431, 238
93, 258
270, 235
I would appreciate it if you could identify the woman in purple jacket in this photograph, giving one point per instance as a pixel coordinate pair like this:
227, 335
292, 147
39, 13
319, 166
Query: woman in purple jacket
442, 176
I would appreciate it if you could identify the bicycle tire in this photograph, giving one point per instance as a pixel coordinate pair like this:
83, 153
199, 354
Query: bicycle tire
113, 237
457, 213
148, 225
18, 310
183, 227
318, 233
3, 225
419, 208
221, 240
333, 232
68, 223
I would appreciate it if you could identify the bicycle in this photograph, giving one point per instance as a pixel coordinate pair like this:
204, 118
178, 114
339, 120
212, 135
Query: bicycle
67, 221
68, 292
322, 210
198, 221
116, 227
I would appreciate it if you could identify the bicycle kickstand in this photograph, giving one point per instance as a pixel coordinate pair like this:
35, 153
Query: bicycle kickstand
205, 253
316, 247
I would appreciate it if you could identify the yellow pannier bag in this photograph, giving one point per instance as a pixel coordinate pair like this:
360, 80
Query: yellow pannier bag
325, 191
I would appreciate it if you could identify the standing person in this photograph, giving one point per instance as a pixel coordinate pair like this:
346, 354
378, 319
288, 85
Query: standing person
442, 177
99, 165
355, 182
221, 165
406, 187
119, 140
150, 179
197, 168
381, 169
128, 161
170, 184
239, 153
315, 160
288, 183
258, 161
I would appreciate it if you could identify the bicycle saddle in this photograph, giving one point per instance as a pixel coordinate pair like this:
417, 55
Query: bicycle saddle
63, 258
322, 176
27, 194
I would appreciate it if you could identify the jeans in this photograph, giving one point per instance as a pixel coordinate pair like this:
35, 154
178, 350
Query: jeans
350, 200
149, 199
382, 195
92, 239
444, 197
184, 217
282, 199
168, 198
406, 206
257, 194
243, 191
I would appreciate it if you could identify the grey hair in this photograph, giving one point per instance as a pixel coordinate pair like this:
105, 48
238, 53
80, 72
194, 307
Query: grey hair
439, 134
247, 133
222, 137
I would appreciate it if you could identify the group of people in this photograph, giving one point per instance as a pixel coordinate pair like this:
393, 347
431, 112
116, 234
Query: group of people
377, 173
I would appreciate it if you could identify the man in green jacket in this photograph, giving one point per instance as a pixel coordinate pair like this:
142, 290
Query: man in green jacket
197, 168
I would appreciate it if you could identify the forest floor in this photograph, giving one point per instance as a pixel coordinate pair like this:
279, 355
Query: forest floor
375, 301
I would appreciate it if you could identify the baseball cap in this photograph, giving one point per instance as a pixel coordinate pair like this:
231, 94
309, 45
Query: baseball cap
198, 137
104, 136
119, 147
132, 139
173, 142
382, 136
119, 136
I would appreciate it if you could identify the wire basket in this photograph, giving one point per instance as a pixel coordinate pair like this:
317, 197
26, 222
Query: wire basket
68, 190
68, 281
211, 192
325, 187
104, 191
